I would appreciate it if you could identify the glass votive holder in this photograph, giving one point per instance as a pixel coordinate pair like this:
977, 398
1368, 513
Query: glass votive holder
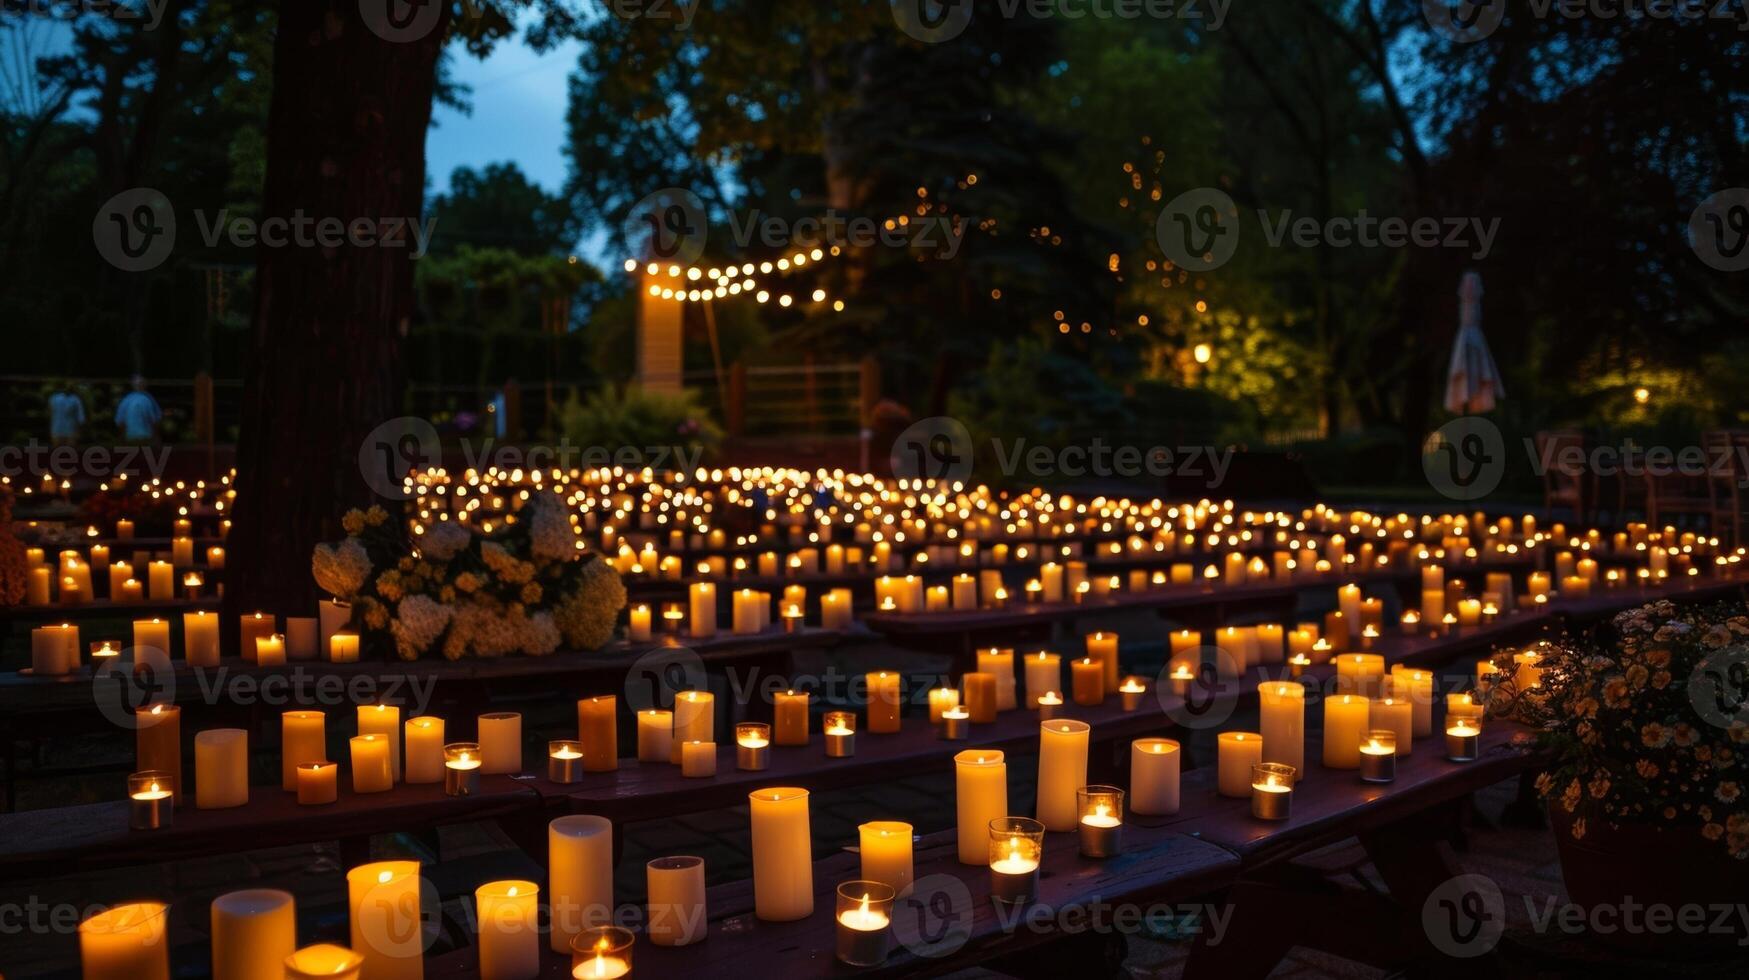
840, 733
151, 800
1101, 809
752, 746
673, 617
1378, 756
1017, 846
1272, 790
461, 768
956, 724
1050, 705
1132, 690
565, 761
865, 913
602, 953
1463, 740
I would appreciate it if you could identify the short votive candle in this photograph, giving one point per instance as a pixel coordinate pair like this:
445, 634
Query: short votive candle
865, 914
1017, 847
1101, 826
461, 768
1272, 790
565, 761
1378, 756
151, 800
752, 746
840, 732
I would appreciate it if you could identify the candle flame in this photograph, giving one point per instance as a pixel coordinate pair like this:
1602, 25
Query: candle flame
512, 892
385, 877
864, 909
1102, 810
154, 787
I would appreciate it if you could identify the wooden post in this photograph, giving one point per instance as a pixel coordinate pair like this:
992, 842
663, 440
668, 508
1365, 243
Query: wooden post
735, 405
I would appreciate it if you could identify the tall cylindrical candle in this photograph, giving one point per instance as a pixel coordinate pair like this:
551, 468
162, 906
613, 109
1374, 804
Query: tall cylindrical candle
1062, 769
675, 886
981, 795
1154, 776
783, 860
387, 927
509, 930
254, 930
579, 875
221, 768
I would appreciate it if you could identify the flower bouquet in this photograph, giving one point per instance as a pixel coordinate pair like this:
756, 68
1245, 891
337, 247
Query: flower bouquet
526, 587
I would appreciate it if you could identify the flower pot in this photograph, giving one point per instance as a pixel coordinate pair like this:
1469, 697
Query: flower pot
1618, 874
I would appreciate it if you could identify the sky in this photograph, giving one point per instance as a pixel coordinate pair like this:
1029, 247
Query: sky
518, 114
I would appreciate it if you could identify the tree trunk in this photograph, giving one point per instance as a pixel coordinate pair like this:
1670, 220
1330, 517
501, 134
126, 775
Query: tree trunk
346, 140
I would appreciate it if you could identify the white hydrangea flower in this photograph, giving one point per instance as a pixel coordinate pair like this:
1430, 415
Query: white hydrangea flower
418, 622
550, 534
444, 540
341, 570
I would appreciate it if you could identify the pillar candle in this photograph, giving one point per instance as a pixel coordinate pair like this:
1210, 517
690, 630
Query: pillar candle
36, 591
965, 592
883, 701
126, 942
703, 619
1269, 643
695, 720
384, 720
790, 714
885, 847
1462, 705
221, 768
161, 581
158, 743
1103, 648
387, 928
698, 760
334, 616
1416, 687
270, 650
254, 930
1236, 753
500, 742
655, 735
598, 730
1396, 715
579, 875
370, 765
422, 754
1062, 769
1088, 678
1345, 722
509, 930
119, 574
251, 627
979, 691
323, 961
200, 638
318, 783
783, 859
981, 795
1282, 723
50, 655
999, 663
1154, 772
675, 886
1360, 673
301, 641
152, 634
302, 738
343, 648
941, 699
1044, 672
638, 628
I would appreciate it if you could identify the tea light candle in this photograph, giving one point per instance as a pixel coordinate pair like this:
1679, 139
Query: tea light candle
695, 720
508, 929
1378, 756
1101, 825
675, 886
673, 616
655, 735
864, 913
956, 724
461, 768
840, 733
1088, 678
1236, 753
1016, 848
752, 746
1463, 740
579, 875
790, 717
323, 961
1154, 774
370, 765
1345, 719
318, 782
126, 942
1272, 789
1132, 690
783, 859
941, 699
221, 768
387, 928
151, 804
981, 795
1180, 680
500, 734
1062, 769
564, 761
601, 953
885, 849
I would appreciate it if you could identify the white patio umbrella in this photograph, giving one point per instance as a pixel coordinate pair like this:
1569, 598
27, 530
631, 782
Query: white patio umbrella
1472, 384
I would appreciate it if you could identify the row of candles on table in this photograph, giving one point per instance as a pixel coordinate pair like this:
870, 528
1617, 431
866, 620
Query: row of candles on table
69, 580
59, 648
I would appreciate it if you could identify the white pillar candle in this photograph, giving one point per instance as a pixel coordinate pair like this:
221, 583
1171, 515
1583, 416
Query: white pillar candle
1345, 721
677, 900
695, 720
579, 876
221, 768
698, 760
200, 638
1103, 648
783, 859
1236, 753
885, 849
1154, 775
254, 930
1044, 672
126, 942
1062, 769
387, 928
655, 735
703, 618
152, 634
1282, 723
509, 930
303, 737
1416, 687
500, 742
370, 764
1395, 715
981, 795
384, 720
1000, 663
422, 755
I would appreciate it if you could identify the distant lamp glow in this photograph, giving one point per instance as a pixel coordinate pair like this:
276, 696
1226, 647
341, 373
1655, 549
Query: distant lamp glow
1642, 395
1203, 352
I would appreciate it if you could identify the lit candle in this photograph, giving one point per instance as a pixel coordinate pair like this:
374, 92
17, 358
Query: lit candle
1088, 677
1015, 850
864, 913
840, 732
270, 650
579, 875
885, 849
387, 927
1272, 788
1101, 828
151, 804
384, 720
221, 768
981, 795
941, 699
423, 751
343, 648
783, 860
675, 886
323, 961
655, 735
200, 638
564, 761
500, 742
1154, 774
704, 609
790, 714
999, 663
1462, 740
1360, 673
152, 634
158, 743
1062, 769
253, 931
1462, 705
302, 738
1132, 690
639, 629
598, 730
509, 932
1378, 756
461, 768
334, 616
1236, 753
1282, 723
161, 581
1345, 719
1044, 672
698, 760
1394, 715
601, 953
752, 746
251, 627
370, 765
126, 942
883, 701
318, 782
695, 720
1416, 687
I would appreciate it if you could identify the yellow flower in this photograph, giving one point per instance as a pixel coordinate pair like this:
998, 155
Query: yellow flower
1654, 736
376, 515
353, 521
1599, 787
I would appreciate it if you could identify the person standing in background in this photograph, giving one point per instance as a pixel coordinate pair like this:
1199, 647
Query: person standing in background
138, 414
66, 415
